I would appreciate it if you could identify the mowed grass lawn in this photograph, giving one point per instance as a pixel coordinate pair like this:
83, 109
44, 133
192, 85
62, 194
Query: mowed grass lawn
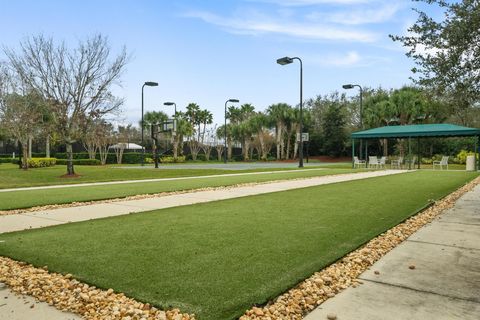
218, 259
12, 177
30, 198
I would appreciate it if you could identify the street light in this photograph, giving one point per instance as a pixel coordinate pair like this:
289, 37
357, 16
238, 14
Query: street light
284, 61
225, 128
351, 86
171, 104
148, 84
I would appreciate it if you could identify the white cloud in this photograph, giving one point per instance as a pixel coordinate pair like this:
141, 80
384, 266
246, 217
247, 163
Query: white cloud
261, 24
348, 59
357, 17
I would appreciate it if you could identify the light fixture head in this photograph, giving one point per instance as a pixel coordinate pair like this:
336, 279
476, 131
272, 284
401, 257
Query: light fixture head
151, 83
285, 60
169, 103
233, 100
348, 86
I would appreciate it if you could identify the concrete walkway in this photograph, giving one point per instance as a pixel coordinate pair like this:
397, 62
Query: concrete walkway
51, 217
445, 283
20, 307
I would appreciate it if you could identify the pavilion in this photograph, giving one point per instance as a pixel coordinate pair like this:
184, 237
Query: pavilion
417, 131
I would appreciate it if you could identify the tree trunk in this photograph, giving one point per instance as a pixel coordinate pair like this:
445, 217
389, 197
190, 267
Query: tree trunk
287, 155
295, 149
245, 149
230, 148
263, 155
385, 147
70, 168
175, 147
29, 147
24, 163
279, 138
47, 146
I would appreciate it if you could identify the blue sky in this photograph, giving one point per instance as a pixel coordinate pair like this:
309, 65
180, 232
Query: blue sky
208, 51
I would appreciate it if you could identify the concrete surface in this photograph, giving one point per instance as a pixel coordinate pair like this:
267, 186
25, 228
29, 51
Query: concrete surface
39, 219
445, 283
16, 307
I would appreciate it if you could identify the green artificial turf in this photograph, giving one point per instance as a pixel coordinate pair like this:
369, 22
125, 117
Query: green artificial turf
218, 259
30, 198
12, 177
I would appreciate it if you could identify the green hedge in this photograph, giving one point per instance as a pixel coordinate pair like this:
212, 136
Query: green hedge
128, 157
82, 162
171, 159
41, 162
8, 160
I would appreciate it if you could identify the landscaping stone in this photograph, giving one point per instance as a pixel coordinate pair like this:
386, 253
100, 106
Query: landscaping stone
342, 274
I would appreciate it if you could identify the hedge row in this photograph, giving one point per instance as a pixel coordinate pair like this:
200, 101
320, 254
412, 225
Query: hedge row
128, 157
83, 162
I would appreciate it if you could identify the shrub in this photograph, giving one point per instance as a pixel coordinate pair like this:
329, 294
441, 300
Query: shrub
461, 157
171, 159
82, 162
8, 160
41, 162
149, 160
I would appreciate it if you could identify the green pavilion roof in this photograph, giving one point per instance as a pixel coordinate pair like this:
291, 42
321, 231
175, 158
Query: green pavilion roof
417, 130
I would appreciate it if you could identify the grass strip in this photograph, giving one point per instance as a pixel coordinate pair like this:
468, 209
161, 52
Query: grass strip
12, 177
31, 198
218, 259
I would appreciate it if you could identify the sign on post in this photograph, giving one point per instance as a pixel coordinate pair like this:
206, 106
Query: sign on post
169, 125
305, 137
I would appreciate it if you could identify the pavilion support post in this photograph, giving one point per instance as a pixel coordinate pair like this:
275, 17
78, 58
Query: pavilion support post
410, 153
477, 151
353, 153
418, 153
366, 150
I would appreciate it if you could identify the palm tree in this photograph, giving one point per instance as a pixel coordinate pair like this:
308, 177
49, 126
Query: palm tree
279, 112
259, 124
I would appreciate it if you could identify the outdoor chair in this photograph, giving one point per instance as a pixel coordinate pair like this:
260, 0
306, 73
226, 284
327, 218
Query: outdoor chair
397, 163
411, 162
357, 163
382, 162
441, 163
373, 162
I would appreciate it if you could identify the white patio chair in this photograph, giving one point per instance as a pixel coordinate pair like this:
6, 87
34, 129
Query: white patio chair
441, 163
382, 162
373, 162
397, 163
411, 162
357, 163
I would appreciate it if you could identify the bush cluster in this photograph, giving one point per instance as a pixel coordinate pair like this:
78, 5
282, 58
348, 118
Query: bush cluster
128, 157
83, 162
171, 159
41, 162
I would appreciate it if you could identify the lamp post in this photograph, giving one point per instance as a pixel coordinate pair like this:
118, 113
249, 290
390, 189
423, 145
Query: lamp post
172, 104
225, 128
351, 86
287, 60
148, 84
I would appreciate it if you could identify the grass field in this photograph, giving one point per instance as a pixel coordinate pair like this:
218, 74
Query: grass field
12, 177
218, 259
29, 198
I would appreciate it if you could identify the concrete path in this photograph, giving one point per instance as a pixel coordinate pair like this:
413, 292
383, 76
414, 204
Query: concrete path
16, 307
445, 283
51, 217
